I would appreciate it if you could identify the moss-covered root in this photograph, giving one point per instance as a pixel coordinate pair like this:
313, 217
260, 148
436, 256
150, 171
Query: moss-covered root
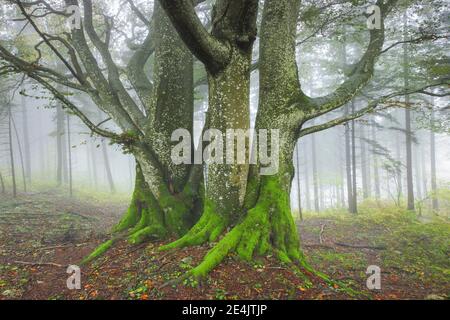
268, 226
210, 226
101, 249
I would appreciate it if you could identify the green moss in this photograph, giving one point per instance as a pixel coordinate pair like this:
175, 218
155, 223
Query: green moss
208, 228
270, 217
218, 253
150, 232
128, 220
176, 212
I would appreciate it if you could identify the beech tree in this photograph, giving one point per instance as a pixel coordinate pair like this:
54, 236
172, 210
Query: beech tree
240, 210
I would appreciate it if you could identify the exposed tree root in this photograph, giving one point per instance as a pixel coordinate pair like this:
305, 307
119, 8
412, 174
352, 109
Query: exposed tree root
208, 228
101, 249
267, 228
147, 218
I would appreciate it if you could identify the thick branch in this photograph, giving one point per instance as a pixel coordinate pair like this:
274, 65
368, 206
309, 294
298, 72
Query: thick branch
368, 109
67, 103
207, 48
362, 73
135, 69
113, 72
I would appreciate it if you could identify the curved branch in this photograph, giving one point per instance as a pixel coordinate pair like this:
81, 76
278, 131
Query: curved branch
58, 95
207, 48
362, 72
42, 35
368, 109
135, 68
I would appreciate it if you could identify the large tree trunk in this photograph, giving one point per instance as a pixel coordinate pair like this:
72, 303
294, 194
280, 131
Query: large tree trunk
229, 109
166, 196
264, 221
267, 223
165, 185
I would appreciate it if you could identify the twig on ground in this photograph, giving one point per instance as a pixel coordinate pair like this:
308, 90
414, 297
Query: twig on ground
360, 246
313, 245
321, 234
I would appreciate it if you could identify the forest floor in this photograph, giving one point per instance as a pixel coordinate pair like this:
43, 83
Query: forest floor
42, 233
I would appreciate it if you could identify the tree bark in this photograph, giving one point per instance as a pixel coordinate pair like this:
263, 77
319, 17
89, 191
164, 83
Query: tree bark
229, 109
166, 197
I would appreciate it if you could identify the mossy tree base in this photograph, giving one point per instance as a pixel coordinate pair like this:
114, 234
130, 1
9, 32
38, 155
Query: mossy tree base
150, 219
266, 228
